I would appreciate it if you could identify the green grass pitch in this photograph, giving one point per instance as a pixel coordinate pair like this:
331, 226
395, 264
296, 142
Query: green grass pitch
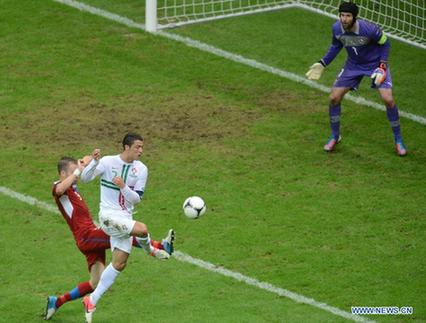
346, 229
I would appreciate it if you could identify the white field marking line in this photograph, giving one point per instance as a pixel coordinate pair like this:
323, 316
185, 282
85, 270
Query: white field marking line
29, 200
266, 286
234, 57
211, 267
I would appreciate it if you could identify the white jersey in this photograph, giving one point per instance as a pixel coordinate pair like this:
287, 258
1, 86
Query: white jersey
134, 174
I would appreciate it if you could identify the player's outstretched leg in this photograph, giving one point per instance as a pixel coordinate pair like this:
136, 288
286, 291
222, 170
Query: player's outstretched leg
160, 254
89, 309
156, 246
168, 241
54, 303
153, 247
140, 230
50, 307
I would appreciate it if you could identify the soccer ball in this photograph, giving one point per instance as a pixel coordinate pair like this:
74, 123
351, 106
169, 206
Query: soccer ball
194, 207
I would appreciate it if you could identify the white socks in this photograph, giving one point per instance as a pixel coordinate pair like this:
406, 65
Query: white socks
107, 279
145, 244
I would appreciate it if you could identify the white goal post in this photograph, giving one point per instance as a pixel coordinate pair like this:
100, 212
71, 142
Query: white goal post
401, 19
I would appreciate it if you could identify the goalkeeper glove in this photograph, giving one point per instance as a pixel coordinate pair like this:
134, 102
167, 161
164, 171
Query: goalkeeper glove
315, 71
379, 75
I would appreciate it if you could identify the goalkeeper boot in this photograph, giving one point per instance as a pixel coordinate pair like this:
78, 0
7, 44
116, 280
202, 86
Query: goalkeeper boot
167, 242
331, 143
50, 307
89, 309
400, 147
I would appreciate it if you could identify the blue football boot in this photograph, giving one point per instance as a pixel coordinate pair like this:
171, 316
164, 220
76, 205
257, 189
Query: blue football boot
167, 242
50, 307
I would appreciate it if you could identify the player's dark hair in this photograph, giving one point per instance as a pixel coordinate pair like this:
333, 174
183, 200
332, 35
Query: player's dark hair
64, 163
350, 7
130, 138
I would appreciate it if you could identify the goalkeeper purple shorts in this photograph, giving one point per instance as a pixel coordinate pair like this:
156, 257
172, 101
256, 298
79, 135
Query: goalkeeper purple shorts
351, 76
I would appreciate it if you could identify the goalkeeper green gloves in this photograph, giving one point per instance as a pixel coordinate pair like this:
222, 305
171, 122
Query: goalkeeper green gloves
315, 71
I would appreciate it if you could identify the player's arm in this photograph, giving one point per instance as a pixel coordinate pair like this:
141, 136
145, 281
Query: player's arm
61, 187
316, 70
384, 44
134, 195
378, 36
334, 49
141, 182
379, 74
93, 169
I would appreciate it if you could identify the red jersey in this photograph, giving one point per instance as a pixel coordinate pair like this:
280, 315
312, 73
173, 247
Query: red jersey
74, 210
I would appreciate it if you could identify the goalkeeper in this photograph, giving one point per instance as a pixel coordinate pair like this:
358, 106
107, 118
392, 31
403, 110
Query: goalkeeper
368, 50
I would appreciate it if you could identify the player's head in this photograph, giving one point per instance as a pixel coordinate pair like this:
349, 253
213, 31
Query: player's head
348, 11
132, 146
66, 166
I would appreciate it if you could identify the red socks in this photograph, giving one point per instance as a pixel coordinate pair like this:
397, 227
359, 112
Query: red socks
79, 291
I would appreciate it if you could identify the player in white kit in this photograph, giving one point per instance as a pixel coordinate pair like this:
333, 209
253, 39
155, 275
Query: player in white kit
123, 180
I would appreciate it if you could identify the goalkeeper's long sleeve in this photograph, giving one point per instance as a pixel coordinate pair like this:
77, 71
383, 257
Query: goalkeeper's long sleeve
334, 49
384, 51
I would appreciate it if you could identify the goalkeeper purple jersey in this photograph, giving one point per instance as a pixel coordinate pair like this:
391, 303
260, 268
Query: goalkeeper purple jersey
366, 45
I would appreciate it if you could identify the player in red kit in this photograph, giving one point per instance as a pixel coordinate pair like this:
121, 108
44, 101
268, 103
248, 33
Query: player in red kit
90, 240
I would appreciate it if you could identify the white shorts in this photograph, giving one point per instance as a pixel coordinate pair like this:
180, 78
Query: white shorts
118, 226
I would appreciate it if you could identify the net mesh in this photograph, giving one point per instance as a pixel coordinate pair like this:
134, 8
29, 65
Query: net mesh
402, 18
180, 11
406, 19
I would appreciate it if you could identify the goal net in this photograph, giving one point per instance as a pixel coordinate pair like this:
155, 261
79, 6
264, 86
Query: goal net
402, 19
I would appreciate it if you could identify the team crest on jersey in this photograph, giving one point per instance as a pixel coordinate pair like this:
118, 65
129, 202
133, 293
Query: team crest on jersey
133, 171
349, 40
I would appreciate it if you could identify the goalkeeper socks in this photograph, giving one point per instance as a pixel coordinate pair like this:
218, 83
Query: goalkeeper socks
393, 117
107, 279
334, 113
79, 291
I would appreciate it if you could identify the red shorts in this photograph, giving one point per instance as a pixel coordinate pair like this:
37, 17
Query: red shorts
93, 244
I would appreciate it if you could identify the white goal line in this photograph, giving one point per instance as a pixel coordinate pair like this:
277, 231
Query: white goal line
183, 257
233, 57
